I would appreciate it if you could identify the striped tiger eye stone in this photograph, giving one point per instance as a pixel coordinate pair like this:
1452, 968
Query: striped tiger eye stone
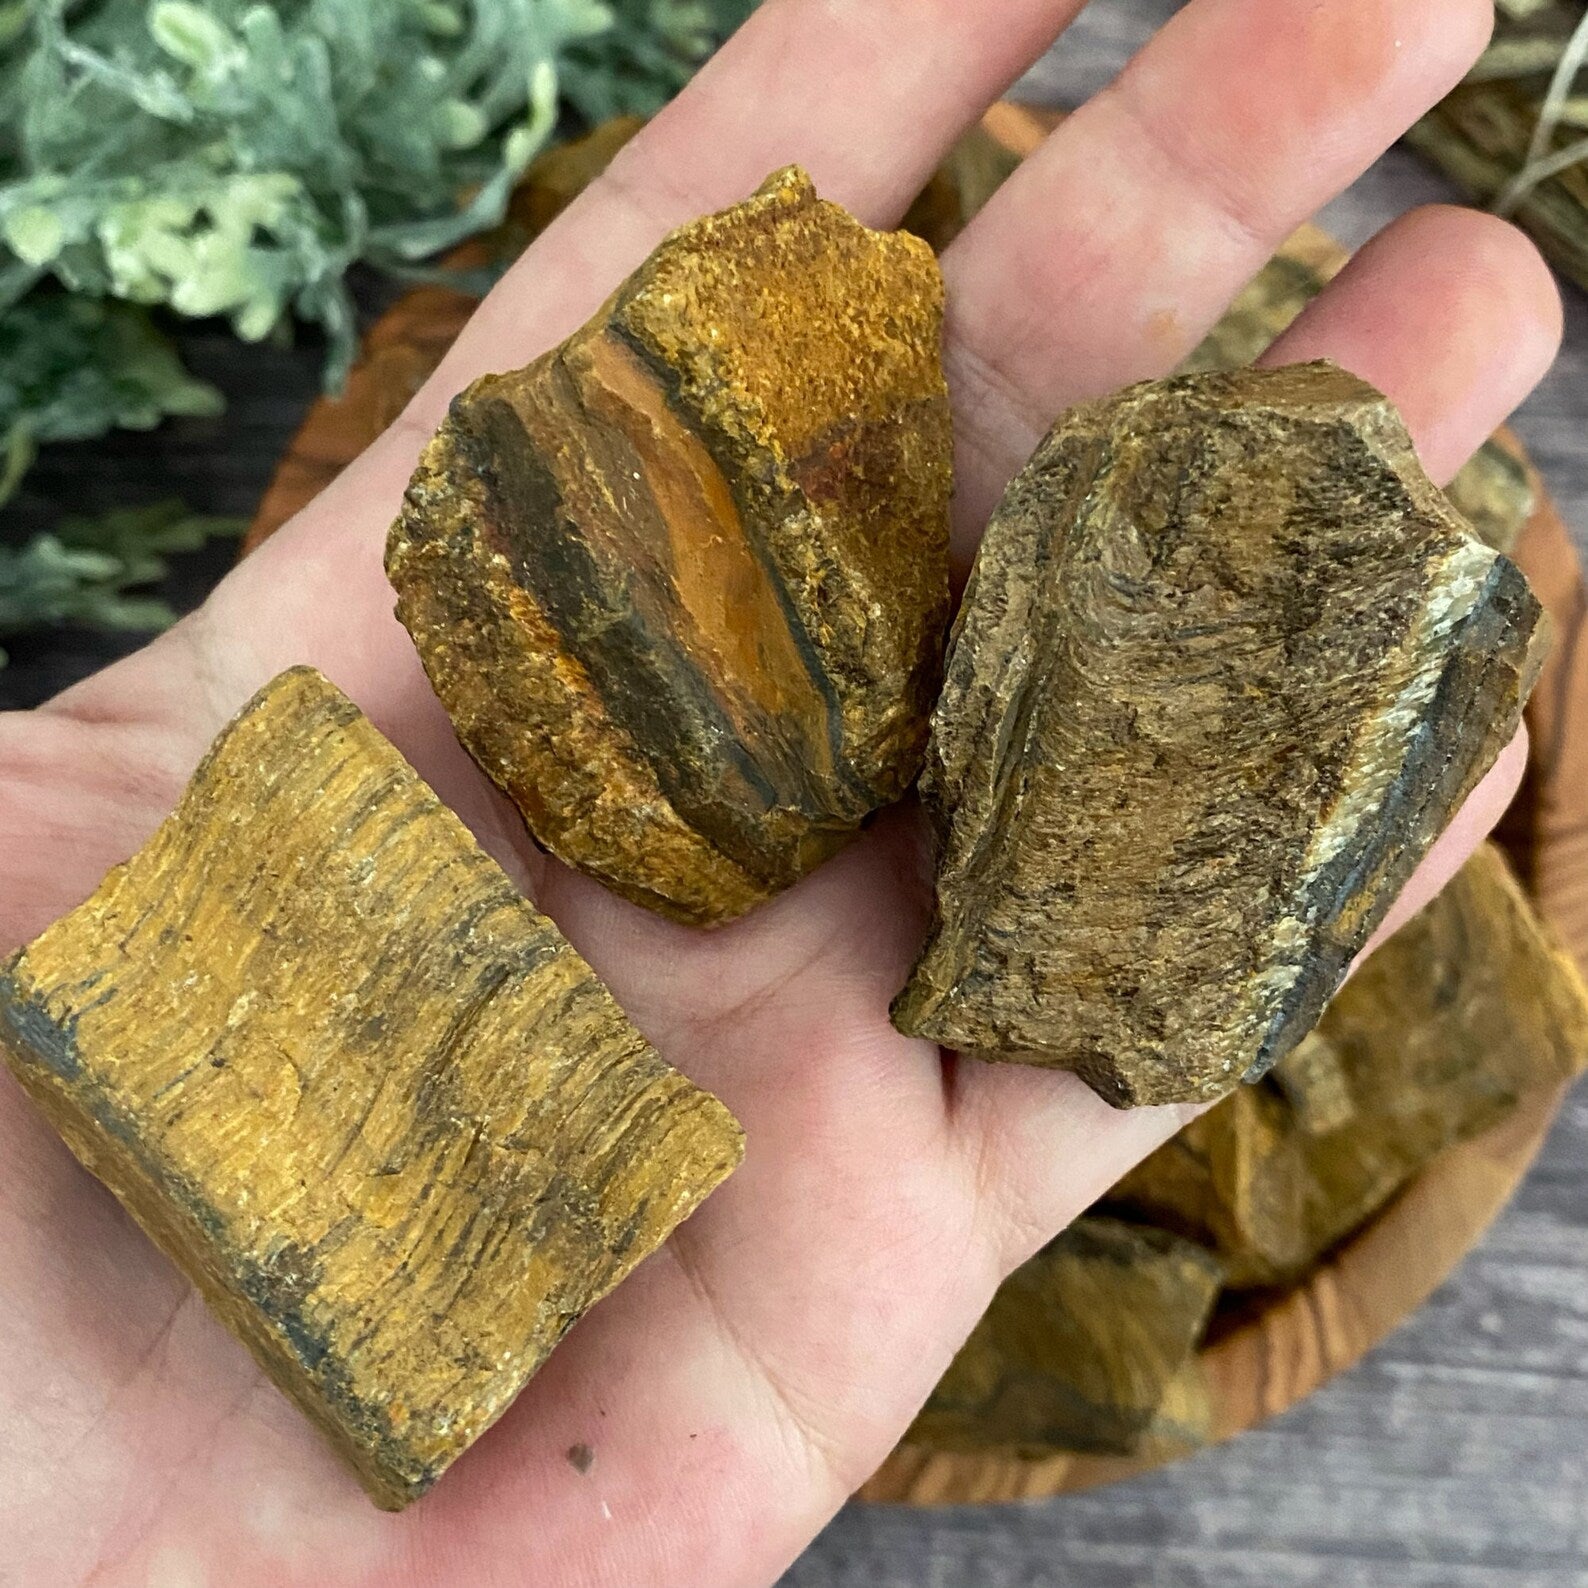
364, 1095
681, 583
1470, 1007
1227, 665
1089, 1346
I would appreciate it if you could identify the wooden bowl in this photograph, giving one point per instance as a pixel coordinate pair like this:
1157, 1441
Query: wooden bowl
1301, 1338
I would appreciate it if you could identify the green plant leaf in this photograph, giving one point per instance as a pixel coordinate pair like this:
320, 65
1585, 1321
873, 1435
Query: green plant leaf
237, 157
73, 368
96, 570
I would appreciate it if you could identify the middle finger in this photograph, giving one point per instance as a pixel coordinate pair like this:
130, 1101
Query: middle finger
1109, 254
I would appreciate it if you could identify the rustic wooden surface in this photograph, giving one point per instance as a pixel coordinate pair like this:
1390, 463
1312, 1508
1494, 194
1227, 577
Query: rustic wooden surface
1453, 1457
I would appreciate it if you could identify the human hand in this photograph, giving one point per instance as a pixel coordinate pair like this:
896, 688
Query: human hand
743, 1381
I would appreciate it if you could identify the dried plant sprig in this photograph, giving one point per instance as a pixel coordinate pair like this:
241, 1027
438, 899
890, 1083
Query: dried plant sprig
1510, 135
236, 157
1540, 162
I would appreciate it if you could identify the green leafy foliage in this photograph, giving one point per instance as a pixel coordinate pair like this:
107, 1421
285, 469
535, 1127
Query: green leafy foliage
90, 570
650, 52
235, 158
73, 368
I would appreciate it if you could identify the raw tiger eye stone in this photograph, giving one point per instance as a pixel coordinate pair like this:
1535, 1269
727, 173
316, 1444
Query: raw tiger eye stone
681, 583
1494, 490
360, 1091
1470, 1006
1314, 1080
1088, 1347
1226, 666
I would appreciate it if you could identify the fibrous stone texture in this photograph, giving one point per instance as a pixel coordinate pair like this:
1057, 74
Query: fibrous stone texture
366, 1097
1091, 1346
681, 583
1314, 1080
1494, 490
1226, 665
1447, 1025
1087, 1347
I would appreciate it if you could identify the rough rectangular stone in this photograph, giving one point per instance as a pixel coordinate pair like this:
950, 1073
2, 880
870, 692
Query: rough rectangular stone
366, 1097
1226, 666
1088, 1347
1470, 1006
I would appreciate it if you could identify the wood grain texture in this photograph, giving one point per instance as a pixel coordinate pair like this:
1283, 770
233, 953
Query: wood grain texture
363, 1094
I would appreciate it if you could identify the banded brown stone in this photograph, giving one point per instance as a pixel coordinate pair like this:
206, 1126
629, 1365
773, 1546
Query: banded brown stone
681, 583
1228, 663
364, 1095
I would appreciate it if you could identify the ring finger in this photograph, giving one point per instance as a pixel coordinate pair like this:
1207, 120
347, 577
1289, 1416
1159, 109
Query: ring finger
1456, 317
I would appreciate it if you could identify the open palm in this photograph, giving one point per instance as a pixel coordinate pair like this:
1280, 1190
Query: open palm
751, 1374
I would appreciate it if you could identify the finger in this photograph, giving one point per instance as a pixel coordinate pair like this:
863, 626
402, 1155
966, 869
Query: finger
1454, 315
867, 94
1453, 281
1108, 255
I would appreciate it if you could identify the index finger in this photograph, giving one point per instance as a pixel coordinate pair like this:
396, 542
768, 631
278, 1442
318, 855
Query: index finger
866, 94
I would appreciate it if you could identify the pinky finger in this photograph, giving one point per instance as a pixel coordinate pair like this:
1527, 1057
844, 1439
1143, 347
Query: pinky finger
1455, 317
1451, 313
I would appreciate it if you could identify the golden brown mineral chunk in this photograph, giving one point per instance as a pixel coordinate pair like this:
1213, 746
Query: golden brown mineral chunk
681, 583
1226, 665
1234, 1181
361, 1092
1494, 490
1314, 1080
1468, 1007
1088, 1347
